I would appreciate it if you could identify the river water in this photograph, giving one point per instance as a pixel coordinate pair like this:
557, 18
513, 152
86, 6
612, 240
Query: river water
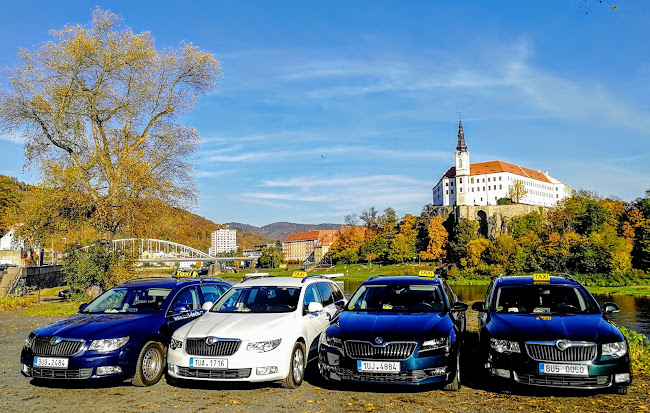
634, 314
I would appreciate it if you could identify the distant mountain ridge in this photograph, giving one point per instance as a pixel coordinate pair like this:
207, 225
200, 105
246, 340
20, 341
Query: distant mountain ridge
279, 230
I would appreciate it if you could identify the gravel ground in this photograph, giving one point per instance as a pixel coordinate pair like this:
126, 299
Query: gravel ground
19, 394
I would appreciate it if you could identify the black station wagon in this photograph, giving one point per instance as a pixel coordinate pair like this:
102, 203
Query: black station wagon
544, 330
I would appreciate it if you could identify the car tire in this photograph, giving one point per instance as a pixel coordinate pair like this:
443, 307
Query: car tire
297, 364
151, 364
454, 385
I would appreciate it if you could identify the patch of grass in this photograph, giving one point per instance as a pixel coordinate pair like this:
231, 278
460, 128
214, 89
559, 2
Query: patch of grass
639, 351
53, 309
641, 290
16, 303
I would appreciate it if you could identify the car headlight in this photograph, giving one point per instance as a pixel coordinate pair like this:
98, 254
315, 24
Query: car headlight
263, 346
174, 344
108, 344
29, 341
434, 344
333, 341
616, 350
504, 346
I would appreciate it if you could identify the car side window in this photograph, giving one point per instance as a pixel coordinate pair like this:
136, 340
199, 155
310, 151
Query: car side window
211, 292
311, 296
488, 293
187, 298
325, 293
450, 293
336, 293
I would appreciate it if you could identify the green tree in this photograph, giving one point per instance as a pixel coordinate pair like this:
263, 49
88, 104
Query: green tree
96, 266
463, 233
522, 225
100, 109
271, 257
401, 249
373, 249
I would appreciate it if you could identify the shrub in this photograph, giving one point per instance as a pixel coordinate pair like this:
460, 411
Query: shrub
639, 351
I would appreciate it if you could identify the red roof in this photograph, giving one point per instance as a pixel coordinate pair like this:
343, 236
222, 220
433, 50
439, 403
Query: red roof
308, 235
499, 166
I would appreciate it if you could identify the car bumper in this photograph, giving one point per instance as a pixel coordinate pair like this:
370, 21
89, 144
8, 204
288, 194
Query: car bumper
244, 365
84, 365
602, 372
439, 367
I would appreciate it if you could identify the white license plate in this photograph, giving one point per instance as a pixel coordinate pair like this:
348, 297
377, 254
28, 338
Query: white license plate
208, 363
52, 362
564, 369
378, 366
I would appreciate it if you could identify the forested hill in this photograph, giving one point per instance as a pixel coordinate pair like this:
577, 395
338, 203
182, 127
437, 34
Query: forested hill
279, 230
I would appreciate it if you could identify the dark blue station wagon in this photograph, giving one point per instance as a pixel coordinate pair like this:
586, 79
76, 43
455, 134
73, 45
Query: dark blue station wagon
121, 334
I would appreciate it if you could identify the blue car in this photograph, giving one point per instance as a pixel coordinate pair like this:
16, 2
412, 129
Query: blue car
548, 330
400, 329
121, 334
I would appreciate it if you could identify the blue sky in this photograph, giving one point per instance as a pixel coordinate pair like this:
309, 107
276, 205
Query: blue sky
330, 108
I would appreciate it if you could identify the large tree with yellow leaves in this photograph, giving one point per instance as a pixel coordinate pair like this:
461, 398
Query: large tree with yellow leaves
101, 111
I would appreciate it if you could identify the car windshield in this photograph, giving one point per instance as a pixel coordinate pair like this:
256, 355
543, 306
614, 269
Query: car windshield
258, 300
413, 298
139, 300
540, 299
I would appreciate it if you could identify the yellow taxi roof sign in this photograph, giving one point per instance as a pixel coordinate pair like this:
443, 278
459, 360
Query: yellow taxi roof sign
426, 274
541, 278
299, 274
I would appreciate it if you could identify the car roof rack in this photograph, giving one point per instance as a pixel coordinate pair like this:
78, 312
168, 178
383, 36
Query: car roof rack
253, 276
315, 276
155, 277
566, 276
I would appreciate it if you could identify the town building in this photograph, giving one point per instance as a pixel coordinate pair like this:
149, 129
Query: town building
309, 246
223, 240
484, 183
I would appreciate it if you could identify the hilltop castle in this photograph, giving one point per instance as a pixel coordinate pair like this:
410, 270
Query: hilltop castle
484, 183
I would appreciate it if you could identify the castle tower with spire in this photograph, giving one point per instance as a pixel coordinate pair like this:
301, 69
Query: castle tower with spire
462, 166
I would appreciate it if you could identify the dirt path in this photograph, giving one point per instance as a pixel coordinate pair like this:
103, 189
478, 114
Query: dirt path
19, 394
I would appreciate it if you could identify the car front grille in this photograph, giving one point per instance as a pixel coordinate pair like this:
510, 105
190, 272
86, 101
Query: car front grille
388, 351
563, 381
46, 373
548, 351
221, 347
42, 346
214, 374
410, 376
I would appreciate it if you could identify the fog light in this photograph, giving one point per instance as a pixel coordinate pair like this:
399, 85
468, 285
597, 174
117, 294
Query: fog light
501, 373
25, 369
622, 378
437, 371
262, 371
105, 370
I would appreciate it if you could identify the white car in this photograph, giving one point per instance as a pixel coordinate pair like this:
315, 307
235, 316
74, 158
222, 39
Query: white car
259, 330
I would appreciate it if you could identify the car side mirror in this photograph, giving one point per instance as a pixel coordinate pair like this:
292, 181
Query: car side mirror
181, 308
82, 306
611, 308
459, 306
207, 305
479, 306
315, 307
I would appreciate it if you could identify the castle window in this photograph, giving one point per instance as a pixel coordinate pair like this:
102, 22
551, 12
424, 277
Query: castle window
452, 191
460, 189
446, 183
500, 187
499, 178
488, 179
472, 180
489, 187
472, 189
460, 180
460, 163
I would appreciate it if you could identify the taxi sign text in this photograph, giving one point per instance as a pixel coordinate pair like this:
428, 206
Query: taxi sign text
299, 274
426, 274
541, 278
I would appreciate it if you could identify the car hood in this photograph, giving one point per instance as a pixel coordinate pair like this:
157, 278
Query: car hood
243, 326
392, 325
97, 326
536, 327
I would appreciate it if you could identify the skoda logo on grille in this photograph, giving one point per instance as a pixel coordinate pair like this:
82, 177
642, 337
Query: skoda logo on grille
561, 345
379, 340
210, 341
55, 340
